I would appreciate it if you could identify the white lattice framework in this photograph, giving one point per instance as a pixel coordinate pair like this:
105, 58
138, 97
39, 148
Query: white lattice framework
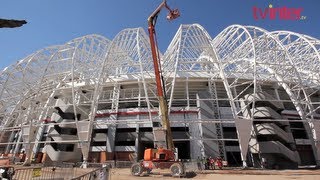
243, 56
258, 56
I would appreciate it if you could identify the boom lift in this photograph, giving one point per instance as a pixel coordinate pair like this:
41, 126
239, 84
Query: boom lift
163, 156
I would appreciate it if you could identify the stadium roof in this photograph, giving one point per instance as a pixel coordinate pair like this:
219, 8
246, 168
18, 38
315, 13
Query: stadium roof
247, 52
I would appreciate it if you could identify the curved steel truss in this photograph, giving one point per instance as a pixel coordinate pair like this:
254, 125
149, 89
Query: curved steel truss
91, 70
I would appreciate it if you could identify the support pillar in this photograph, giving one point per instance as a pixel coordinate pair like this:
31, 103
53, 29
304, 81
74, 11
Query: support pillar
316, 140
111, 140
244, 128
83, 134
17, 146
113, 118
137, 143
196, 134
28, 135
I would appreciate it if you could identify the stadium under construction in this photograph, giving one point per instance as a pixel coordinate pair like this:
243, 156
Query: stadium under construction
248, 95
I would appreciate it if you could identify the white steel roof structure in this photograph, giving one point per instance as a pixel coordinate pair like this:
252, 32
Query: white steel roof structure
238, 56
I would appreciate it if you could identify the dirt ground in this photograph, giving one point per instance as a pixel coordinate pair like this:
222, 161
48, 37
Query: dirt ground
236, 174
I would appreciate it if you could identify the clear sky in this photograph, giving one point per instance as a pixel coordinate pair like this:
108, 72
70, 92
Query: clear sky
53, 22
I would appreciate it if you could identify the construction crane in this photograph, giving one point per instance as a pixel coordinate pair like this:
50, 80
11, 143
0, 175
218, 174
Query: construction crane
164, 155
163, 107
11, 23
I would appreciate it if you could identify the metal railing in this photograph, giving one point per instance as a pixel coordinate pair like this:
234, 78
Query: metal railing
101, 174
62, 171
115, 164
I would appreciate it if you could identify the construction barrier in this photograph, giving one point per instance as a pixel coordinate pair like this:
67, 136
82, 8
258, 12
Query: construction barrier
97, 174
62, 171
117, 164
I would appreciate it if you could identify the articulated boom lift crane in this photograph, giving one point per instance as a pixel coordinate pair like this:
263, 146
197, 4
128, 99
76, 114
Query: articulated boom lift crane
163, 156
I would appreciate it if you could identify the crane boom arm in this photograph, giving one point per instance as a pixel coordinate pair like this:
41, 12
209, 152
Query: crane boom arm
157, 70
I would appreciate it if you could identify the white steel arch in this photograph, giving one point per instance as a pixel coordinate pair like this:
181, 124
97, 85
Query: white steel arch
234, 47
269, 61
183, 56
44, 73
128, 58
85, 70
37, 73
191, 55
306, 58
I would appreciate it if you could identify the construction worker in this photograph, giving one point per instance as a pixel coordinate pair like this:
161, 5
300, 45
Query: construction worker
212, 165
204, 162
208, 162
219, 162
199, 163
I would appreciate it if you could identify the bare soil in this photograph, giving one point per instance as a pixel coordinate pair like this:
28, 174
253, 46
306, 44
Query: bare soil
230, 174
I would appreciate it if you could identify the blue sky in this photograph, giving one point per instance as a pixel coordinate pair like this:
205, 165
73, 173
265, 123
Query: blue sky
53, 22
